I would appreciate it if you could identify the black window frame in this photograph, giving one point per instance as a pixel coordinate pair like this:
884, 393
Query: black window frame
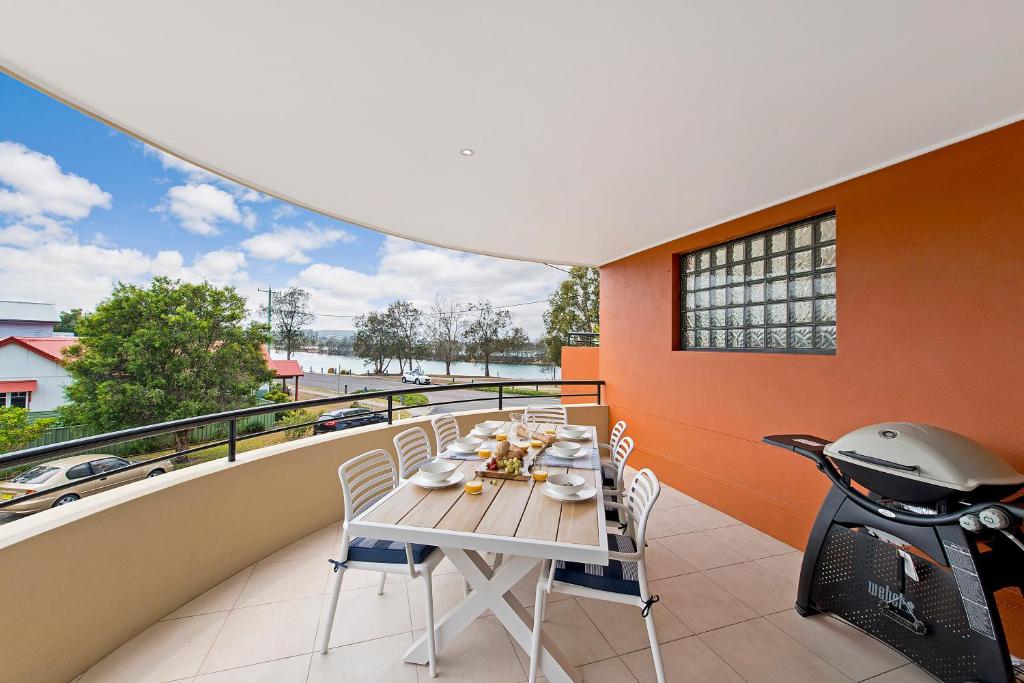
700, 273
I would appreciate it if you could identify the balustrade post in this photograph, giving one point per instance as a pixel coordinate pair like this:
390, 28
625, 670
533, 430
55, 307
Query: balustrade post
391, 409
232, 436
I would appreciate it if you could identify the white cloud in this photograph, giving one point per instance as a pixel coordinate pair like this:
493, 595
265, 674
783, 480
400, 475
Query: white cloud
417, 272
194, 174
249, 218
282, 210
36, 186
290, 244
200, 208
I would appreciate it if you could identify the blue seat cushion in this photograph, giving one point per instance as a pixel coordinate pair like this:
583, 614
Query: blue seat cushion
608, 473
389, 552
617, 577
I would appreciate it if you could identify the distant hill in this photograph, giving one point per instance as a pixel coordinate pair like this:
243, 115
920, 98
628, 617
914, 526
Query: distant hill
336, 334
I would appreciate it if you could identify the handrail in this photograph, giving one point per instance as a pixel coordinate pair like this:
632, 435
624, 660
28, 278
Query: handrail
32, 455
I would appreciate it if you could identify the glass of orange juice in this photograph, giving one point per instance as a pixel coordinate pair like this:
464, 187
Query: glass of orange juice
484, 452
536, 443
501, 437
540, 475
549, 430
474, 486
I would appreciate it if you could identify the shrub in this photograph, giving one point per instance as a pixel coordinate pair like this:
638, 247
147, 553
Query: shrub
277, 395
412, 400
250, 427
297, 417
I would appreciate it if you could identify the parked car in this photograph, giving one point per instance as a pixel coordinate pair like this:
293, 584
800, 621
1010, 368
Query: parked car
55, 473
346, 418
415, 376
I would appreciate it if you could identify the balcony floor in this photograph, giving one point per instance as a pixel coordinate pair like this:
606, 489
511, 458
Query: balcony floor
726, 614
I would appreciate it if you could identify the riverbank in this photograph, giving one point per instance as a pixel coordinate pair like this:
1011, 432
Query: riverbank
320, 362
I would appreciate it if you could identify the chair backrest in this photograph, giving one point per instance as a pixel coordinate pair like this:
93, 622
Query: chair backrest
639, 499
623, 449
551, 414
413, 449
365, 478
446, 430
617, 431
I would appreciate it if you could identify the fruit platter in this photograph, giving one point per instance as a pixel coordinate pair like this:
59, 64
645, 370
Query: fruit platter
508, 462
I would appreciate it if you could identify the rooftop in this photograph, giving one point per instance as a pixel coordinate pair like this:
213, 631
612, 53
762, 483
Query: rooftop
725, 614
28, 311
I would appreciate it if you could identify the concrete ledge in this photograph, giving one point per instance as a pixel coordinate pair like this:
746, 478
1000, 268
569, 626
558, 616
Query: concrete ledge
78, 581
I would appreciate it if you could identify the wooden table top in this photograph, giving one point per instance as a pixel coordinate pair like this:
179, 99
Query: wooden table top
508, 516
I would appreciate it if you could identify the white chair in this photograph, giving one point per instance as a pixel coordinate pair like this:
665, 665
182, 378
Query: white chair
613, 477
613, 439
549, 414
364, 480
446, 430
624, 580
413, 449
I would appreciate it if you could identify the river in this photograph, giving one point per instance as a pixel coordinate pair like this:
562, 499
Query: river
317, 362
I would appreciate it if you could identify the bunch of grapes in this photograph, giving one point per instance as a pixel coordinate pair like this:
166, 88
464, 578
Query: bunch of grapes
513, 466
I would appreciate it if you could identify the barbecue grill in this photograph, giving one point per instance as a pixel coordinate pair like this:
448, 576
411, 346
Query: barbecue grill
917, 559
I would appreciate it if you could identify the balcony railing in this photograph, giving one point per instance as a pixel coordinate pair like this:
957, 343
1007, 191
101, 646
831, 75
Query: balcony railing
39, 454
583, 339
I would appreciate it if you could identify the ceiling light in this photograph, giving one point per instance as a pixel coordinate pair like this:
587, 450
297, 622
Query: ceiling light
466, 152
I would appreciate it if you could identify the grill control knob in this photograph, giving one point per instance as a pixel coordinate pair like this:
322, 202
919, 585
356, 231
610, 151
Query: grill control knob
994, 518
971, 523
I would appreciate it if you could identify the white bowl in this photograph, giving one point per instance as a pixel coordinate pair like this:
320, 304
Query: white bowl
437, 470
570, 446
573, 432
566, 484
485, 428
560, 452
467, 444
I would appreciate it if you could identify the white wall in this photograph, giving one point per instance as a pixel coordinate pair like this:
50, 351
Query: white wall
19, 363
25, 328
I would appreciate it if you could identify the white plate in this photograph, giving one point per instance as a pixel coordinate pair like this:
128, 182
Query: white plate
568, 437
456, 478
486, 437
580, 453
454, 446
583, 494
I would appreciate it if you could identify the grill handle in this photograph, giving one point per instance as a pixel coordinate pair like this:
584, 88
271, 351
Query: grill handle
878, 461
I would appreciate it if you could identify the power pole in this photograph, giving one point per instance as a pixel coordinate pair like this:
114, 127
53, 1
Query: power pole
270, 304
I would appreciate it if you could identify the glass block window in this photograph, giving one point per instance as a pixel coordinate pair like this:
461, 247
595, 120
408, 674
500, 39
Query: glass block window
771, 292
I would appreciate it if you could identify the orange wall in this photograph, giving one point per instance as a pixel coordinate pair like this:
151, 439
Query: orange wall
931, 329
579, 362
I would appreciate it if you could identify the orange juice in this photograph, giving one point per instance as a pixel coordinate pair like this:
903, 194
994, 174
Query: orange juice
484, 453
501, 437
536, 443
549, 430
474, 486
540, 475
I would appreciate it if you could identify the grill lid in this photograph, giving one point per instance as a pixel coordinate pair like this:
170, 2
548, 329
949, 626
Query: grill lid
924, 453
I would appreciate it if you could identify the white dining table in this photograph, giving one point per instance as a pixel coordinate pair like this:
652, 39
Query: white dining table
511, 517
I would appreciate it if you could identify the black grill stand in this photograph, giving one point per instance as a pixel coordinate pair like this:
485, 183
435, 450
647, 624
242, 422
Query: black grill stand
946, 621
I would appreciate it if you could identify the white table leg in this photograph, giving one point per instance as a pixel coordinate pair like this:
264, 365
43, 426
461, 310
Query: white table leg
492, 590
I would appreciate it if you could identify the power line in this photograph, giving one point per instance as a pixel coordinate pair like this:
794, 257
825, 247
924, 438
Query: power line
465, 310
558, 268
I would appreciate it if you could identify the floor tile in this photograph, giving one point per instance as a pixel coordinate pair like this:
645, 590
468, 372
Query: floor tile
700, 517
749, 542
700, 603
701, 551
320, 544
663, 563
373, 660
574, 634
760, 590
686, 661
671, 498
612, 670
481, 652
447, 594
263, 633
287, 670
905, 674
526, 590
220, 598
786, 566
667, 522
166, 651
853, 652
364, 615
280, 581
762, 653
625, 629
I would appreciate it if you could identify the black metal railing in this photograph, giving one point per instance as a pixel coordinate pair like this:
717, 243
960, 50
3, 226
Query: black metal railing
41, 454
583, 339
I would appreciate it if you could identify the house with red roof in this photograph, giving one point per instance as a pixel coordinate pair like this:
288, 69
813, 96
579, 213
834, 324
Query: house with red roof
32, 373
284, 370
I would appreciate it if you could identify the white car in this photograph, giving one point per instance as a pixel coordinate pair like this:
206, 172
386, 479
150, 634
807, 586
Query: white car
416, 377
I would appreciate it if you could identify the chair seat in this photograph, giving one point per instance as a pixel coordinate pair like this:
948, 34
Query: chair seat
608, 473
388, 552
611, 515
617, 577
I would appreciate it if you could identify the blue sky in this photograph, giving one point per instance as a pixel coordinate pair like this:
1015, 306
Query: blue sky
83, 206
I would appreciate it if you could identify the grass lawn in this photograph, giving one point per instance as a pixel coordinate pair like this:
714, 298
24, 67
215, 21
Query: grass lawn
518, 391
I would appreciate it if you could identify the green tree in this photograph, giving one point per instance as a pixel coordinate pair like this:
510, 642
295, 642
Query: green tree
168, 351
15, 430
574, 307
491, 333
445, 327
374, 340
69, 320
291, 317
406, 321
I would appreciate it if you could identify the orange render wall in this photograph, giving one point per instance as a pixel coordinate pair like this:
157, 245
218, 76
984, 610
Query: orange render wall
930, 285
579, 362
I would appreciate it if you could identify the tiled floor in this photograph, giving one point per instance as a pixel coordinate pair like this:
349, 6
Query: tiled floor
725, 614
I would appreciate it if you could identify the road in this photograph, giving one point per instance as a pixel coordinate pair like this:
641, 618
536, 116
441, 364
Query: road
336, 384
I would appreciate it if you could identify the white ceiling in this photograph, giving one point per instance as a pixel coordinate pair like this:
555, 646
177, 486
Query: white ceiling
600, 127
